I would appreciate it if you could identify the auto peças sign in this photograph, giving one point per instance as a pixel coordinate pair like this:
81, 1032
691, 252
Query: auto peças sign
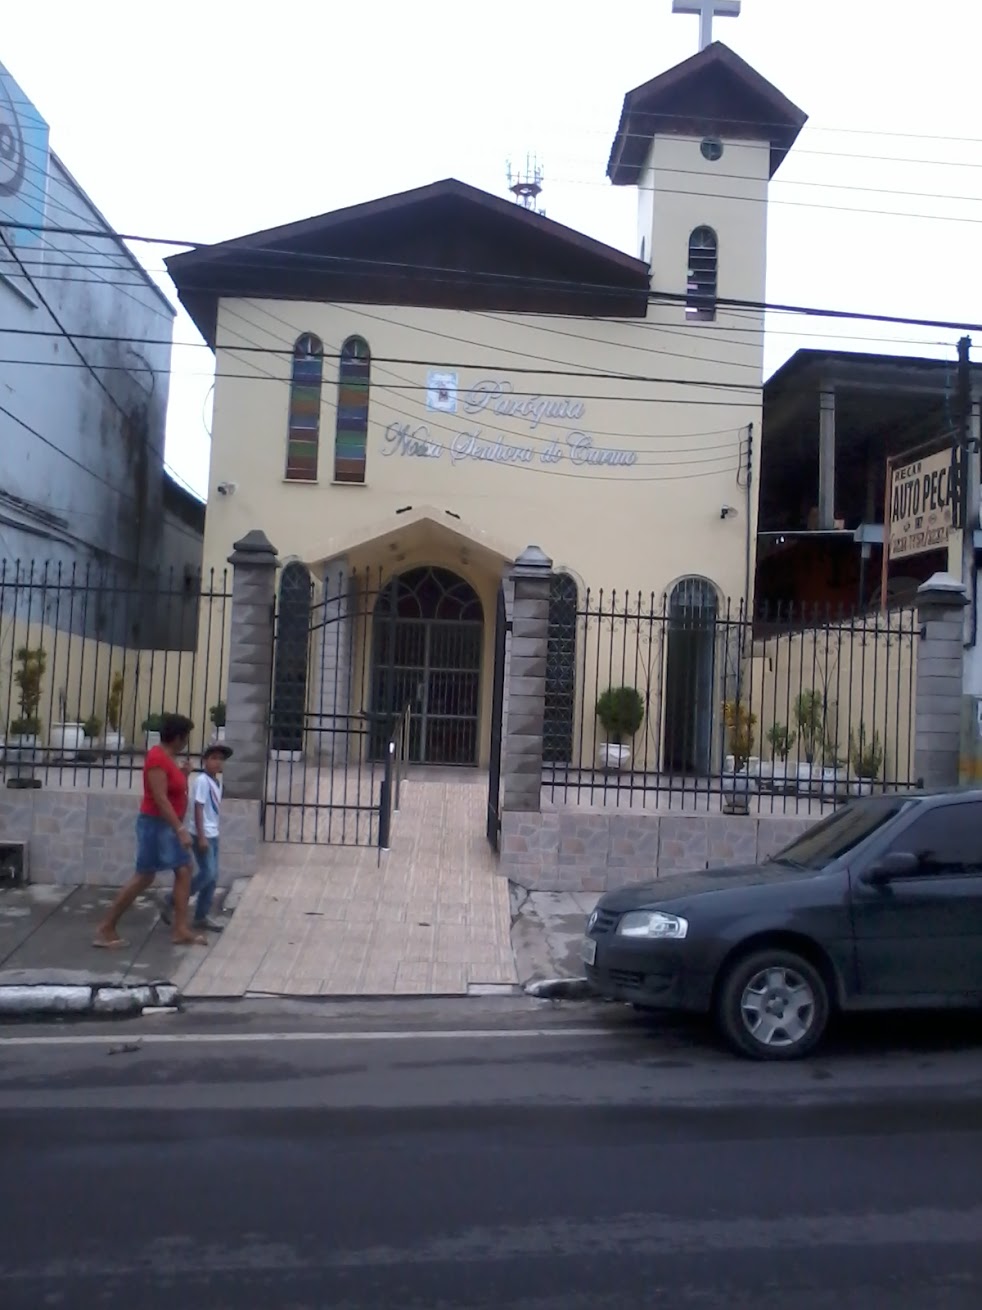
923, 503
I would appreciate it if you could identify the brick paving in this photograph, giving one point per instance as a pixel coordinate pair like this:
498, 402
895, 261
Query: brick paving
320, 920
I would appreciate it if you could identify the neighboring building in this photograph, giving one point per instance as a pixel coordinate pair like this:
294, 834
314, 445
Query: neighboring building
84, 374
418, 387
832, 419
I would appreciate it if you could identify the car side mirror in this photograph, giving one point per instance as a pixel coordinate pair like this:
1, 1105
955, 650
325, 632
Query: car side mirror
897, 864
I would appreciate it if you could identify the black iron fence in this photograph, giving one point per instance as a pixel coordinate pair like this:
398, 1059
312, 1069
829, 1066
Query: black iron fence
692, 705
90, 660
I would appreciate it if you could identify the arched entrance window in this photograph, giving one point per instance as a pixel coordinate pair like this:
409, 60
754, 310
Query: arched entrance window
290, 659
689, 676
427, 638
557, 728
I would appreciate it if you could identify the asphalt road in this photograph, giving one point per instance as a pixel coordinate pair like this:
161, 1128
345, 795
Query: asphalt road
553, 1159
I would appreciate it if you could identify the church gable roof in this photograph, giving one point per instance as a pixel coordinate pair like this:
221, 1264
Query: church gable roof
715, 93
446, 245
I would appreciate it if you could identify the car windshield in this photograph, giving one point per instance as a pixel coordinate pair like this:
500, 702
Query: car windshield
838, 834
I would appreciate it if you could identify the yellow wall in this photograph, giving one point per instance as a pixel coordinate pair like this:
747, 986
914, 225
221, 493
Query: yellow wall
627, 527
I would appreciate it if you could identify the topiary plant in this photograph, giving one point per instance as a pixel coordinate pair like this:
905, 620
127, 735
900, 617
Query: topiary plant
740, 724
621, 712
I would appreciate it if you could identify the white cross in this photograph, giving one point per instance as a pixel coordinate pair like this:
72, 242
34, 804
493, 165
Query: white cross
707, 11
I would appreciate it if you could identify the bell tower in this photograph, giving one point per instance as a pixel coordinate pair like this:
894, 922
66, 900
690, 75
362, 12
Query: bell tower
701, 143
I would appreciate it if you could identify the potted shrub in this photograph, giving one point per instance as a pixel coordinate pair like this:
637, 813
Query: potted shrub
114, 715
91, 728
25, 729
740, 724
809, 716
621, 713
151, 726
780, 738
217, 716
866, 757
67, 736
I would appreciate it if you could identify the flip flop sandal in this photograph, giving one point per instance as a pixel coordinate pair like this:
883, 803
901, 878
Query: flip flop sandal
101, 944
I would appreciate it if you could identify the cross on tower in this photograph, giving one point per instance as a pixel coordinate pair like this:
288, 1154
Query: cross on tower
707, 11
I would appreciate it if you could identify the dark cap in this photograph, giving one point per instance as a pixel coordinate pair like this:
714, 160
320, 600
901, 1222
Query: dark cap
217, 748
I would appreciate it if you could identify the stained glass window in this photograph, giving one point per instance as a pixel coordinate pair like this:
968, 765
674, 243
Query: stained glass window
351, 438
305, 409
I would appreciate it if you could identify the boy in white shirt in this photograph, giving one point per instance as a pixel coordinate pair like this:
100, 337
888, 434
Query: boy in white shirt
203, 825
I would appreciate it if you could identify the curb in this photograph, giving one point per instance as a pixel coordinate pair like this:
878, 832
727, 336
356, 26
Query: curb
33, 1000
561, 989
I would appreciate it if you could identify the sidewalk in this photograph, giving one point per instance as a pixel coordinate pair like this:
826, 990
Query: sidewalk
432, 919
547, 929
46, 937
435, 918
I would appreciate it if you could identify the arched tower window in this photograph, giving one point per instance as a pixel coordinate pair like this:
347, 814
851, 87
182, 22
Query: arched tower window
303, 433
351, 436
690, 674
703, 270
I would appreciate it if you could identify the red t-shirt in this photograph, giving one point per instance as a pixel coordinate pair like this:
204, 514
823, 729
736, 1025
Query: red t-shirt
177, 783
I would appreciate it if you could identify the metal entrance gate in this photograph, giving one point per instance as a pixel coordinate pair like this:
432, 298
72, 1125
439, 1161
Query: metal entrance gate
501, 629
428, 634
350, 655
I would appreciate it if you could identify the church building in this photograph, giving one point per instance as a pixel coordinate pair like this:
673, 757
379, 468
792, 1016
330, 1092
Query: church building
411, 391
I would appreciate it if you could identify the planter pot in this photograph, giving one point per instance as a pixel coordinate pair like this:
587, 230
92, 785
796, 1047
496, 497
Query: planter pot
114, 742
781, 782
810, 779
861, 787
834, 782
21, 750
218, 734
611, 756
66, 739
20, 754
153, 739
738, 787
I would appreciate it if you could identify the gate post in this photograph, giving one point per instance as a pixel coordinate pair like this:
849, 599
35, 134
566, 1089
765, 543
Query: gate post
527, 682
938, 690
250, 664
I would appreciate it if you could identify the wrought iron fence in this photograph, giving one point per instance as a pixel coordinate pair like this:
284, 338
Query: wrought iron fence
90, 660
684, 703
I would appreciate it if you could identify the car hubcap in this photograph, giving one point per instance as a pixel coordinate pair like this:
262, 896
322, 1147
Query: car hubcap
778, 1007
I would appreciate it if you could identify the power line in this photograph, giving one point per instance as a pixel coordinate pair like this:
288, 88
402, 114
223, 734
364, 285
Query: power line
660, 116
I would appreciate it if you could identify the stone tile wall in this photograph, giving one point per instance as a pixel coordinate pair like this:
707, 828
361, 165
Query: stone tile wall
591, 850
87, 836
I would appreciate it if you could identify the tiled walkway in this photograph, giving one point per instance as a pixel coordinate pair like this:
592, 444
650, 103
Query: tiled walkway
327, 920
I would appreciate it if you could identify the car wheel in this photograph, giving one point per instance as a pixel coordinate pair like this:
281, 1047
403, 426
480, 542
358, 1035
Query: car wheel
773, 1005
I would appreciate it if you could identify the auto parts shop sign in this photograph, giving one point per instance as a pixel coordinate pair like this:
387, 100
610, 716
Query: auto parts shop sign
923, 494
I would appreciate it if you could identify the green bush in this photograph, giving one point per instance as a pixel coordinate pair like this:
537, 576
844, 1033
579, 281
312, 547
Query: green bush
621, 711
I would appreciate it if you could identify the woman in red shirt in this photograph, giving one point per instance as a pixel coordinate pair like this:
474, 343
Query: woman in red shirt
162, 840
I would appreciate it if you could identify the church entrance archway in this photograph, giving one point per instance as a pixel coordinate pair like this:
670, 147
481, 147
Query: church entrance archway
689, 676
427, 639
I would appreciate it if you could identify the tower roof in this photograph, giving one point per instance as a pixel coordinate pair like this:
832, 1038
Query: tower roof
715, 93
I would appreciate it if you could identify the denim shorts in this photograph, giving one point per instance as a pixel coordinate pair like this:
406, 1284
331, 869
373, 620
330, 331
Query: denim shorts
157, 846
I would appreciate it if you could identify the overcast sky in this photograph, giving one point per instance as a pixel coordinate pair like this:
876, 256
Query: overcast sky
192, 119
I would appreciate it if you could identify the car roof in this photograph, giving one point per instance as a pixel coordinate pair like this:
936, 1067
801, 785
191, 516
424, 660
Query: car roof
929, 796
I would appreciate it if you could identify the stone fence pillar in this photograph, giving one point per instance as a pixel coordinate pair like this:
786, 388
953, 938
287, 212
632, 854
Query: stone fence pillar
522, 746
250, 663
938, 692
